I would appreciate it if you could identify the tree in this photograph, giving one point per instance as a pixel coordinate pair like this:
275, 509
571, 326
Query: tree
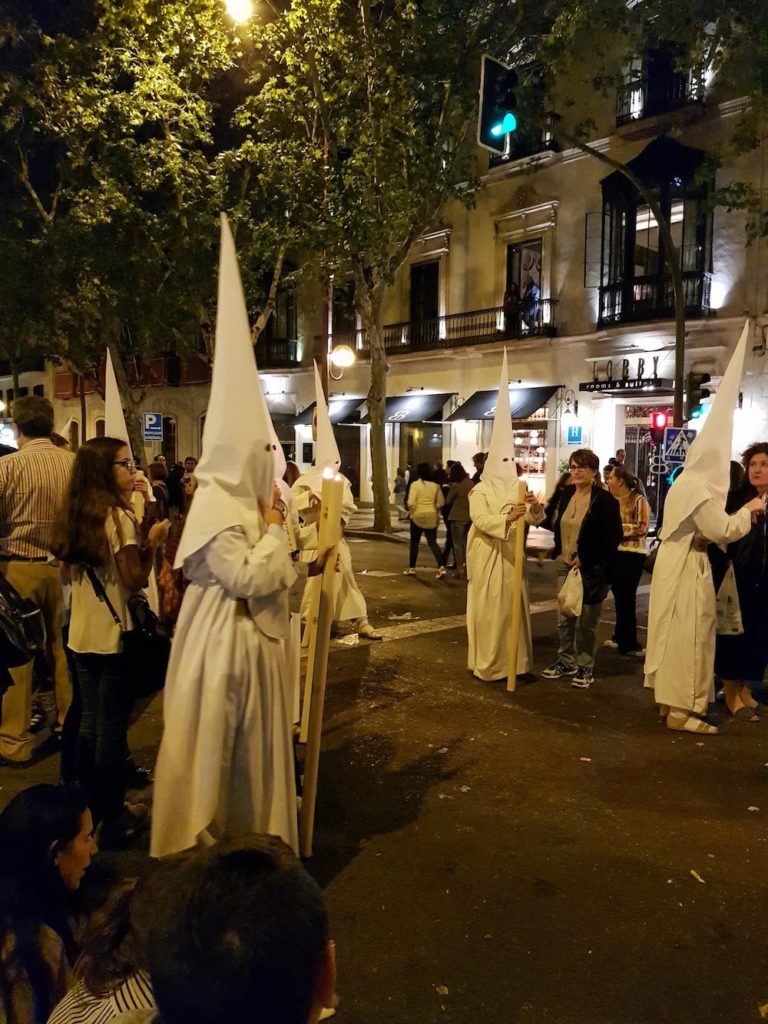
389, 90
727, 40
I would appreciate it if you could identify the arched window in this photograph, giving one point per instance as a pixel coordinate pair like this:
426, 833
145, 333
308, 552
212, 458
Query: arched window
634, 281
74, 435
201, 429
101, 426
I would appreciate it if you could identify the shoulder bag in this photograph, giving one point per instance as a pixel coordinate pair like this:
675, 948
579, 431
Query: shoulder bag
147, 648
22, 627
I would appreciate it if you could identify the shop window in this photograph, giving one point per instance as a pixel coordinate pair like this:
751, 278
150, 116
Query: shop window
169, 446
633, 280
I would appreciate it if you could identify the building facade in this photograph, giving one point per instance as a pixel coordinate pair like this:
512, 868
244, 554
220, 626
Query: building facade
559, 261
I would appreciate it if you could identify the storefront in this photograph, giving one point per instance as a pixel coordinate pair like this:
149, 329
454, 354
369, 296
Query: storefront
530, 422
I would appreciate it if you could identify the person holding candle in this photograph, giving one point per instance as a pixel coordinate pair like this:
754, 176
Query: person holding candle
226, 764
350, 612
495, 505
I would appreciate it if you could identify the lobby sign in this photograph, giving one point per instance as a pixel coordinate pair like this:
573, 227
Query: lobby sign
641, 374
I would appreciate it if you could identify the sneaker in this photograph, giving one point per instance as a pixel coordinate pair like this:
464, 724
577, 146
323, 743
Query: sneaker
440, 573
611, 645
583, 679
409, 572
559, 669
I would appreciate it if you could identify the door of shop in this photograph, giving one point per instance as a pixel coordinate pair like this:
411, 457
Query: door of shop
639, 460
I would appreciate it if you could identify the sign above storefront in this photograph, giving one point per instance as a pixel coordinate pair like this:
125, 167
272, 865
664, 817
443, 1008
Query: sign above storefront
641, 374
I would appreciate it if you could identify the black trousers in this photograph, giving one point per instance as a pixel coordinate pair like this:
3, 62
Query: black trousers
626, 571
431, 535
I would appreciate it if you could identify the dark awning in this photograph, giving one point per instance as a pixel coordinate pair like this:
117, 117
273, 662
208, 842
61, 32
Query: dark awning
341, 410
523, 403
415, 407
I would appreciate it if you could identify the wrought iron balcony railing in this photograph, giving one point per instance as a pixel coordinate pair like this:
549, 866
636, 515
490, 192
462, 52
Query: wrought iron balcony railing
477, 327
651, 298
646, 95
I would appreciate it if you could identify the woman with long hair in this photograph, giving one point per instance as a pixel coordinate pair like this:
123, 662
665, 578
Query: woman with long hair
46, 845
425, 499
628, 562
459, 519
97, 537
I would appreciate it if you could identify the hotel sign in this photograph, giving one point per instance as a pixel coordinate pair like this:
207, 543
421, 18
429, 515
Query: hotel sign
642, 376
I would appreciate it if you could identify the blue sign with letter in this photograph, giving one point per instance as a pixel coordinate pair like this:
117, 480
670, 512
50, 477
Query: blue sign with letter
677, 441
574, 434
152, 424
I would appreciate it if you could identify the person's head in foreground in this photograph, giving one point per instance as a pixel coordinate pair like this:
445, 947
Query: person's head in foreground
241, 934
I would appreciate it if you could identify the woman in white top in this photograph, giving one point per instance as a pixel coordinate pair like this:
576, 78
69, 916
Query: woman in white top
628, 562
96, 528
425, 499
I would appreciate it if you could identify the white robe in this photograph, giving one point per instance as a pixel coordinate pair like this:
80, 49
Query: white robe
680, 662
490, 571
226, 758
348, 601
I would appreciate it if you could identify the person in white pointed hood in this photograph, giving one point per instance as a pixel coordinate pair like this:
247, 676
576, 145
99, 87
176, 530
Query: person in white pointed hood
680, 660
348, 604
226, 764
494, 508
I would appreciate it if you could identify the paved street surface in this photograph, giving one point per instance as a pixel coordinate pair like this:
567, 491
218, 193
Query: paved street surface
550, 855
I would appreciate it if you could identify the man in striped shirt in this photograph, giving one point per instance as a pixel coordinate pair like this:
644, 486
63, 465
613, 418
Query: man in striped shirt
33, 481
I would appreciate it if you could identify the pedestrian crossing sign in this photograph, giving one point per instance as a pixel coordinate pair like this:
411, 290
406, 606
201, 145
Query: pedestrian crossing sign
677, 441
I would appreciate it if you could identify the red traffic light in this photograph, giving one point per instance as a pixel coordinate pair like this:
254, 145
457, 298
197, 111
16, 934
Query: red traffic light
659, 419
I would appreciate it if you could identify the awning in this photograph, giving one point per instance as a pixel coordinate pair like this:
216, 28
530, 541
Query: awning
342, 410
415, 407
523, 403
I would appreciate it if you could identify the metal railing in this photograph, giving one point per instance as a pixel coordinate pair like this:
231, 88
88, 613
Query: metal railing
476, 327
645, 96
651, 298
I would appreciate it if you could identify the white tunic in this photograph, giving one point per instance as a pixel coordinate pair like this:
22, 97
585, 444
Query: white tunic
348, 601
490, 570
226, 759
680, 663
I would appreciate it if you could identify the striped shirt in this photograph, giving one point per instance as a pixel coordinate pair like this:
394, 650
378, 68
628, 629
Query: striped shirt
80, 1007
33, 482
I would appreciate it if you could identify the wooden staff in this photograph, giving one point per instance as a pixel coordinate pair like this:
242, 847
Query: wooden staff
319, 625
517, 594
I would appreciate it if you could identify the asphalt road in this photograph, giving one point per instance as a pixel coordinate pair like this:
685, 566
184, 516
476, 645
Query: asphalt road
549, 855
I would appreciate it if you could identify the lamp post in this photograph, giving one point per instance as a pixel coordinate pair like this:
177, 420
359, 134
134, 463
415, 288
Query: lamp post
341, 357
239, 11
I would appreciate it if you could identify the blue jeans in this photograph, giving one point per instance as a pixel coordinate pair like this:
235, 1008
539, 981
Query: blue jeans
106, 697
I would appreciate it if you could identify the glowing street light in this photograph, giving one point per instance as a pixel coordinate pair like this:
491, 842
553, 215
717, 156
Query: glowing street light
343, 356
239, 11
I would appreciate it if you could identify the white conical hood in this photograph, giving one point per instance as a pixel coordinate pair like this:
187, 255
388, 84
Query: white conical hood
237, 466
326, 450
706, 473
114, 417
500, 465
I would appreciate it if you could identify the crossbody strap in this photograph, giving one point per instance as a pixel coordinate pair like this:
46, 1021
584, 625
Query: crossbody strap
101, 593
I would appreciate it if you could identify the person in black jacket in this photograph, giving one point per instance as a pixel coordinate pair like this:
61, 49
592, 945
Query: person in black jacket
587, 528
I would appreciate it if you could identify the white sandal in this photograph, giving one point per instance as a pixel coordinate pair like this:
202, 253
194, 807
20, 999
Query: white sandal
690, 724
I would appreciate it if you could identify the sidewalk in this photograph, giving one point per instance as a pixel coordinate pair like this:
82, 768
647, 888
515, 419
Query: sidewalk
539, 541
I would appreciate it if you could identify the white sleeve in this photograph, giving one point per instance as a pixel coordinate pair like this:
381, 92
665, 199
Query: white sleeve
248, 571
714, 523
495, 525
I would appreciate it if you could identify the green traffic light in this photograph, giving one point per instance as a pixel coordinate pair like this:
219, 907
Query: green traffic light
506, 125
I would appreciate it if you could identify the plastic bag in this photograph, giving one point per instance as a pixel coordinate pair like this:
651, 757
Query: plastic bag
728, 609
570, 600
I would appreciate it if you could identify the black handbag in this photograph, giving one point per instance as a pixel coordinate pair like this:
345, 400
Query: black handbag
22, 627
147, 648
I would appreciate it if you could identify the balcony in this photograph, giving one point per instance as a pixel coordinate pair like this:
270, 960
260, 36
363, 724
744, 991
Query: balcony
277, 353
654, 91
477, 327
649, 298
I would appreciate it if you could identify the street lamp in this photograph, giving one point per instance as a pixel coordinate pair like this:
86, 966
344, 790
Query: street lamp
342, 357
239, 11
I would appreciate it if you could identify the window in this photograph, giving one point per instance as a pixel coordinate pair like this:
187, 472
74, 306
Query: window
343, 308
74, 435
101, 427
425, 302
634, 283
653, 84
39, 390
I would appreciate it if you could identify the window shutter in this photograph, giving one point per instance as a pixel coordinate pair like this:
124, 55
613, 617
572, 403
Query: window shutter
593, 246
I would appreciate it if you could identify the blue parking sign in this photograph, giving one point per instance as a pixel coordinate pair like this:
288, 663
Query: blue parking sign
574, 434
152, 426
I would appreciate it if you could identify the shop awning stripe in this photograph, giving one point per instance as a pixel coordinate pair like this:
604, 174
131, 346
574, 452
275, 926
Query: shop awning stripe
523, 403
415, 407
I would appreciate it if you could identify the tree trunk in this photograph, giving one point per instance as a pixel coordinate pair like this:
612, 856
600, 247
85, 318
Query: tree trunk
377, 395
130, 410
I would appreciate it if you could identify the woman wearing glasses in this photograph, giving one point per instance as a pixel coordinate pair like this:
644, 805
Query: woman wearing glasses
97, 530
